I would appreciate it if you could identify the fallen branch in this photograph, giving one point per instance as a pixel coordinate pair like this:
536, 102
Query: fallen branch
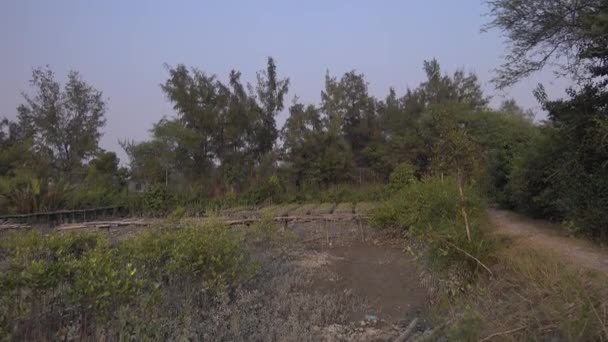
428, 334
408, 331
14, 226
105, 224
470, 256
298, 219
599, 319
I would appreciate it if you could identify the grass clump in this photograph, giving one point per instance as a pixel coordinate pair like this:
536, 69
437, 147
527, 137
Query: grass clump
537, 296
402, 176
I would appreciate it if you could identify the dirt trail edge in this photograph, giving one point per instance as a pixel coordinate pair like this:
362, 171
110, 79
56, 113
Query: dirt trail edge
543, 235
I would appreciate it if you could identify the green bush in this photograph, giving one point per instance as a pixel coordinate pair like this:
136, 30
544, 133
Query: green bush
467, 328
531, 189
402, 176
431, 211
177, 214
348, 193
211, 253
88, 281
269, 191
155, 201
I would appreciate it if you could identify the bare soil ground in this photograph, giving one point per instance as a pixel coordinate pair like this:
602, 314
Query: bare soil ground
373, 266
543, 235
319, 281
372, 269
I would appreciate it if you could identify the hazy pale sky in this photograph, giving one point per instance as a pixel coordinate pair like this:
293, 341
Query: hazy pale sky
120, 47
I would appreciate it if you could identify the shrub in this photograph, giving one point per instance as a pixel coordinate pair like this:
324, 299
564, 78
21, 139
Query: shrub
88, 282
271, 191
537, 296
467, 328
157, 200
431, 211
177, 214
530, 188
351, 193
402, 176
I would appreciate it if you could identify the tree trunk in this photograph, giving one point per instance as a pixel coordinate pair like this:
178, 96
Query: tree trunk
462, 208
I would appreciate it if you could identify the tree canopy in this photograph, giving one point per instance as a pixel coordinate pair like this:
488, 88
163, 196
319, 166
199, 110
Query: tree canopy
63, 123
569, 34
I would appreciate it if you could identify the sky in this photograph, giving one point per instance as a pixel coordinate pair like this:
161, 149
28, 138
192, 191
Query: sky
121, 47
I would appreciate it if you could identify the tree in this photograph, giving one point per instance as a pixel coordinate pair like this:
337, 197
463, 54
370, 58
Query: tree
563, 175
454, 152
569, 34
511, 107
315, 150
504, 136
406, 136
14, 150
349, 108
302, 135
460, 87
270, 92
63, 123
222, 130
197, 100
580, 176
104, 183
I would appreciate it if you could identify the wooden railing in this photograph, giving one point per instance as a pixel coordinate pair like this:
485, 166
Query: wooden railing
53, 218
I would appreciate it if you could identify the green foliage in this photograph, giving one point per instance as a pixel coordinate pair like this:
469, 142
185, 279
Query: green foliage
88, 281
25, 193
270, 191
387, 215
103, 185
343, 193
65, 124
268, 232
177, 214
156, 200
223, 127
453, 150
402, 176
563, 34
210, 253
563, 175
350, 111
505, 136
467, 329
529, 182
431, 210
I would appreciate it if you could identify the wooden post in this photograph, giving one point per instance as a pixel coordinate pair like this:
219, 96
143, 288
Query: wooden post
462, 208
327, 234
361, 229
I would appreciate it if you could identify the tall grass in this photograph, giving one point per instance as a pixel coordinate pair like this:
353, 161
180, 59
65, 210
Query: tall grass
534, 296
431, 211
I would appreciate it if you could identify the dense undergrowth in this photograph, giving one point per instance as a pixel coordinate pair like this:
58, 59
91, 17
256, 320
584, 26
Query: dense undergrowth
524, 294
158, 201
534, 296
79, 286
431, 210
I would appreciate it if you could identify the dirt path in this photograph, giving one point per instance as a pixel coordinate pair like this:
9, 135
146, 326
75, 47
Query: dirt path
543, 235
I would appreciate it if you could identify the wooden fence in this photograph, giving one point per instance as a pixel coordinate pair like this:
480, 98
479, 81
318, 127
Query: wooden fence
54, 218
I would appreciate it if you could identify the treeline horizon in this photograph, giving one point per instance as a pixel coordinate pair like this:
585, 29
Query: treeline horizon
228, 131
223, 146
